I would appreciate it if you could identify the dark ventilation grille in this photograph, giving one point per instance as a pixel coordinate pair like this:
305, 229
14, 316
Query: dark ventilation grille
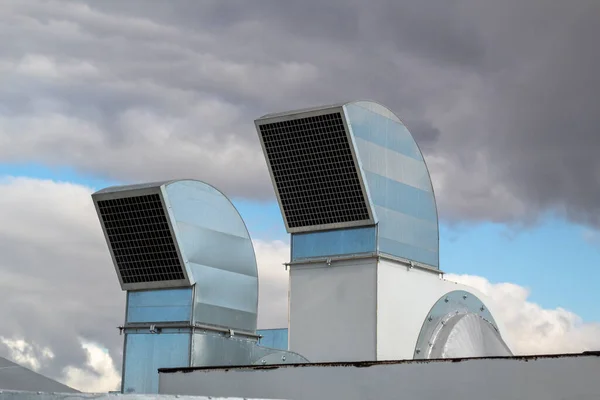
314, 171
141, 241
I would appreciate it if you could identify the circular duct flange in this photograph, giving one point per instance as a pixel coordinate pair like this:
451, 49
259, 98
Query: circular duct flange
459, 325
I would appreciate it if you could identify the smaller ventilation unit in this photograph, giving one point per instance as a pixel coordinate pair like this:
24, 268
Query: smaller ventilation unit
183, 254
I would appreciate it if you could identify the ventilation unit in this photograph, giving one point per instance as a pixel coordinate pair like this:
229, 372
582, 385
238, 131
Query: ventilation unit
355, 194
184, 255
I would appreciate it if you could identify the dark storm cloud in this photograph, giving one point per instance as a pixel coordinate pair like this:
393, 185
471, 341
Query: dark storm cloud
508, 88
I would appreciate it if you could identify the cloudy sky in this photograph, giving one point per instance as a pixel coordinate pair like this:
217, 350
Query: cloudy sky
502, 96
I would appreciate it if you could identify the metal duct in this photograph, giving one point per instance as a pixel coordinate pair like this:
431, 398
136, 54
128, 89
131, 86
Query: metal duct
459, 325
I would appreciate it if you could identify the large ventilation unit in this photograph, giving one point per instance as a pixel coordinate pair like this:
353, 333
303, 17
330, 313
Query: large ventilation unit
365, 283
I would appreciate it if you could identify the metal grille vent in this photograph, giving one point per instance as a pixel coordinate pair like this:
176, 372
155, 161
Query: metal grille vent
312, 165
139, 235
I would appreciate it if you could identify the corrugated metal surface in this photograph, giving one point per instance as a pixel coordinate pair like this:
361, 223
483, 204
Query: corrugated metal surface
15, 377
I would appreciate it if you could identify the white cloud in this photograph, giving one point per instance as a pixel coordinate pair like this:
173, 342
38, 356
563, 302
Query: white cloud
531, 328
273, 283
56, 277
26, 354
99, 373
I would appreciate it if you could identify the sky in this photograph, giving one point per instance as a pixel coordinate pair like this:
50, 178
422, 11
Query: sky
502, 97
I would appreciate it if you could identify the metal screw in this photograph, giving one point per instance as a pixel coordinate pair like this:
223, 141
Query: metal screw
430, 318
282, 358
482, 308
263, 362
464, 296
418, 351
446, 300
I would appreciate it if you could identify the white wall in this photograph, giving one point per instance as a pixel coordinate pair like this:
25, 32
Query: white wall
14, 395
404, 298
546, 378
333, 310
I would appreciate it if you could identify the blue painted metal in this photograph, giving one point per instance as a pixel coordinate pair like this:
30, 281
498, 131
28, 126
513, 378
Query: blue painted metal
145, 353
274, 338
334, 243
166, 305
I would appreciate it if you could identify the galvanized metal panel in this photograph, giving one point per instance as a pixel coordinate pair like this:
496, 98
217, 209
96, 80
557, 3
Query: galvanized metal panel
273, 338
334, 243
518, 378
393, 165
145, 353
166, 305
218, 252
198, 204
210, 349
398, 183
385, 131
